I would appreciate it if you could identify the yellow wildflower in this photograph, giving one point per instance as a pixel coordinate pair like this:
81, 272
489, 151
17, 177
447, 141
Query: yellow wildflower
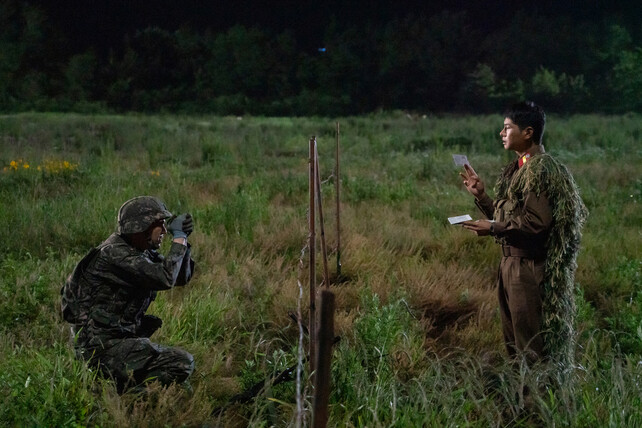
57, 166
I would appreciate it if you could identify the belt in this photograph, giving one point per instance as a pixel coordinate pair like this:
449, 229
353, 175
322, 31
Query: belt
509, 251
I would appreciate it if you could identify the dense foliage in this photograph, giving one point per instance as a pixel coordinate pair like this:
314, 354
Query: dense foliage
431, 62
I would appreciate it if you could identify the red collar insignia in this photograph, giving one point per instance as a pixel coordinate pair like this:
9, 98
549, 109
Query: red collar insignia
524, 159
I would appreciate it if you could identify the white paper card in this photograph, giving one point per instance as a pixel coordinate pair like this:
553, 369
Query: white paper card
459, 219
461, 160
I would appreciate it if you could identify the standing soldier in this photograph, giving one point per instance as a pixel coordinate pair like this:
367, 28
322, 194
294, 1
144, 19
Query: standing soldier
537, 217
109, 291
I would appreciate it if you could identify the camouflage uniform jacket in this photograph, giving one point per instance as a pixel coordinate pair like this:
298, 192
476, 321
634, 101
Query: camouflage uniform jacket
106, 296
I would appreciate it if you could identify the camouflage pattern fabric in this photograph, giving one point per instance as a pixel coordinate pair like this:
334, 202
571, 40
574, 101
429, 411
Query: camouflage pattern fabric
138, 213
134, 361
106, 298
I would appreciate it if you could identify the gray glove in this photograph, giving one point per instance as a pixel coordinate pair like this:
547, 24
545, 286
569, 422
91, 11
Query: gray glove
181, 226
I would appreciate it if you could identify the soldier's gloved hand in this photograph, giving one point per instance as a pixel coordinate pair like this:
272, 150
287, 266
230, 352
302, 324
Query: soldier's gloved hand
181, 226
188, 224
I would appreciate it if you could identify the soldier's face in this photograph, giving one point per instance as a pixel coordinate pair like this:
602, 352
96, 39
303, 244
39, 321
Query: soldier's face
514, 138
156, 233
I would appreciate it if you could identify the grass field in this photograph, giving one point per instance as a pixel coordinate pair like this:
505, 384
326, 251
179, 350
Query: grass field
417, 314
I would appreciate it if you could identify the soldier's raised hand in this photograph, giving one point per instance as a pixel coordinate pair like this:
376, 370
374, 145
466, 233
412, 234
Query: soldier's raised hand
473, 183
181, 226
188, 224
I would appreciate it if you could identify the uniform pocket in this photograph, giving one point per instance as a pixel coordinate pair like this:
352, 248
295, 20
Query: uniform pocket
503, 209
509, 207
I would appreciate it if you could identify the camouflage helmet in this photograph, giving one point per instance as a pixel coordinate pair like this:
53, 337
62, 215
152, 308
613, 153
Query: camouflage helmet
137, 214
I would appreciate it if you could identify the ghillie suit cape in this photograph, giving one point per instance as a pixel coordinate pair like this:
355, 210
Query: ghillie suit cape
543, 174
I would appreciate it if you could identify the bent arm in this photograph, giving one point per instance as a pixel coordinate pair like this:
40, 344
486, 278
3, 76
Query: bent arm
187, 268
133, 268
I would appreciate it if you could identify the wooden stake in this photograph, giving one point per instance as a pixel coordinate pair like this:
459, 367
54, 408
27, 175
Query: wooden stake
312, 251
324, 254
324, 360
338, 212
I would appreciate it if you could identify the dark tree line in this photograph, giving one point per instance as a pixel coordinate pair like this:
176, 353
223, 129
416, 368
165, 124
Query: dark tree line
439, 63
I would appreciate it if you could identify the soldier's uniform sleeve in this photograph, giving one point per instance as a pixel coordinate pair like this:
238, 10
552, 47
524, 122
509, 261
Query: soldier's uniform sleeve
533, 218
187, 268
134, 268
486, 206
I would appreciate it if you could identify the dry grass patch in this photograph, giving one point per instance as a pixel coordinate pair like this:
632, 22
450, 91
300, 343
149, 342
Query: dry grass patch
454, 302
157, 406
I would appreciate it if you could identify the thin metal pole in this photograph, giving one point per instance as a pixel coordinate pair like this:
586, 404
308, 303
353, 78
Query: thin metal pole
324, 360
312, 250
324, 254
338, 211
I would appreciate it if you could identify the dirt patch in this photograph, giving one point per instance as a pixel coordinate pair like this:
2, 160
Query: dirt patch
439, 316
343, 279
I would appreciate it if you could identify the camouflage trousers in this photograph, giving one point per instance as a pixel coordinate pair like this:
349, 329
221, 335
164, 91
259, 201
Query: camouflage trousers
134, 361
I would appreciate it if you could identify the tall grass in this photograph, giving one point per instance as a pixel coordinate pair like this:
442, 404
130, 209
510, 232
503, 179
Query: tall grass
416, 311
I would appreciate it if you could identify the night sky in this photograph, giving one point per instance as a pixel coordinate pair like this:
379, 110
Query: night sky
104, 23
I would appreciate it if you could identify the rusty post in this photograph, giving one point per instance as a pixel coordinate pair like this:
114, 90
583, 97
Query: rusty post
338, 211
324, 254
312, 250
324, 360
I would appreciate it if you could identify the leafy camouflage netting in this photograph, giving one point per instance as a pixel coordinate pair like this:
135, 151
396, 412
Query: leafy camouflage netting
545, 174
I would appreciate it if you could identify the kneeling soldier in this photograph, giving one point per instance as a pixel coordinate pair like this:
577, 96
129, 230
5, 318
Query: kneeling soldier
107, 295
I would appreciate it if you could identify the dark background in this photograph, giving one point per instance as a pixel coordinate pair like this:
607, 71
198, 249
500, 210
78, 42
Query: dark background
324, 57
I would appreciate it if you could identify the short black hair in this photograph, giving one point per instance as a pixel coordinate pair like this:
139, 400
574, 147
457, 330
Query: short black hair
525, 114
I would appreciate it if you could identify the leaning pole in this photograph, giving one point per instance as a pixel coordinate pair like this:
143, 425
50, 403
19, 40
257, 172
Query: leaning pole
312, 250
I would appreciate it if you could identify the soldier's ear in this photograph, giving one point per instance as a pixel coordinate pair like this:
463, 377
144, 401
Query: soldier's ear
528, 132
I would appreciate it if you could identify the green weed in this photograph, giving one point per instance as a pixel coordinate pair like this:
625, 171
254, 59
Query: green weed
238, 213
